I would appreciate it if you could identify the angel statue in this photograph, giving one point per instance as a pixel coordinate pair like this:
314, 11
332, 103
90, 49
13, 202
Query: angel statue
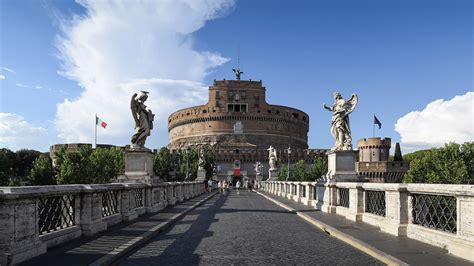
201, 160
237, 73
340, 128
143, 120
258, 168
272, 158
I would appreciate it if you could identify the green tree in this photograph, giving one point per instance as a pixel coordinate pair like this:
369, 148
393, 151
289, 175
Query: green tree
299, 171
398, 153
163, 164
318, 168
106, 164
283, 173
23, 161
41, 172
74, 167
187, 162
7, 163
451, 164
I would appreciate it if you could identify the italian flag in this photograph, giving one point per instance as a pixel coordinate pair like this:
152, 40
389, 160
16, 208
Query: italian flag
99, 122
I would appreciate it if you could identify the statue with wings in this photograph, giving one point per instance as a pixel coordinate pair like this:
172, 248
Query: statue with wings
340, 128
272, 158
143, 120
237, 73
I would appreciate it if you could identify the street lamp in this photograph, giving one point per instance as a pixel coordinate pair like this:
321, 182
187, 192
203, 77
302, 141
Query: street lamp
187, 163
289, 154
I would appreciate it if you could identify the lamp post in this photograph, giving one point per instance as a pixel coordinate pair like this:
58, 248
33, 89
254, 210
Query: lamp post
289, 154
187, 163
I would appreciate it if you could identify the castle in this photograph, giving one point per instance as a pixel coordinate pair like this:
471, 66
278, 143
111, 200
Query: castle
239, 122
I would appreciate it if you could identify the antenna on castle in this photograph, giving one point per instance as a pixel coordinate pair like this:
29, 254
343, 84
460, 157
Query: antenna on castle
237, 71
238, 56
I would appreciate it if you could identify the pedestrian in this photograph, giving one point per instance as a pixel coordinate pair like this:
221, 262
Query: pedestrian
209, 184
237, 186
206, 186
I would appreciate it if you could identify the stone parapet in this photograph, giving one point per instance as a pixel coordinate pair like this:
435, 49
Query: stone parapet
35, 218
437, 214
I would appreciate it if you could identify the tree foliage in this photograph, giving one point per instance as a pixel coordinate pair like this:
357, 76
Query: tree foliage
41, 172
88, 166
7, 163
300, 172
452, 164
398, 153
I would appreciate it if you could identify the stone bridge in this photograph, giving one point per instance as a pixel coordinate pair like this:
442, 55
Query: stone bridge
281, 223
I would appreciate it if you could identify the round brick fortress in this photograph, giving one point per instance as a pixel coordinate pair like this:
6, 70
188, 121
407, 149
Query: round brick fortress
237, 109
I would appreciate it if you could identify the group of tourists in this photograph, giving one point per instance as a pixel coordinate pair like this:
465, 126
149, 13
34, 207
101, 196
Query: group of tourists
225, 185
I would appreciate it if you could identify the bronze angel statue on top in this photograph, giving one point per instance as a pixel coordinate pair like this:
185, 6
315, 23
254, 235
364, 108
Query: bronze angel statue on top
340, 128
143, 120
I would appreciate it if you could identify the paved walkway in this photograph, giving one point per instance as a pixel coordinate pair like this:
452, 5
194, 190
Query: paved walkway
85, 250
408, 250
244, 228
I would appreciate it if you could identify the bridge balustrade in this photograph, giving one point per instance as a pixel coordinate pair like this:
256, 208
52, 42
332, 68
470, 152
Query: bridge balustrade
438, 214
33, 219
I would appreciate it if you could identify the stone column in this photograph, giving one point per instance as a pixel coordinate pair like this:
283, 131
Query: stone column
91, 213
128, 214
19, 233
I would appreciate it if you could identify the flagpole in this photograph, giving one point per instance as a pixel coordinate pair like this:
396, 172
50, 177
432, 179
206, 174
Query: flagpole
95, 127
373, 127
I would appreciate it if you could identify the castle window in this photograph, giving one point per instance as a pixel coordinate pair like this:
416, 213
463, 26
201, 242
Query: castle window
237, 107
295, 115
204, 111
304, 118
218, 95
278, 112
269, 111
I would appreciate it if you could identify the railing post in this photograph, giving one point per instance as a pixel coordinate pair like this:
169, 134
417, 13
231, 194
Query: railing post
326, 197
19, 228
128, 213
90, 212
465, 227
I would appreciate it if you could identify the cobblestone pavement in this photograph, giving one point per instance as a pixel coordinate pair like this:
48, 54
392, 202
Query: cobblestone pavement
244, 228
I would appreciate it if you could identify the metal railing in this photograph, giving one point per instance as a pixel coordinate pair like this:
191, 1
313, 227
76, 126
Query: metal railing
375, 202
56, 213
343, 197
434, 211
109, 203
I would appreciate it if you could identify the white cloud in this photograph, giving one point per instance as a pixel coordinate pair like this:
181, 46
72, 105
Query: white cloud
2, 77
119, 48
38, 87
440, 122
16, 133
7, 69
21, 85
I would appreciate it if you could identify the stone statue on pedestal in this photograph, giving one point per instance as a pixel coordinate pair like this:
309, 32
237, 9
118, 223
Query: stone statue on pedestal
138, 159
202, 160
272, 158
340, 128
143, 120
258, 168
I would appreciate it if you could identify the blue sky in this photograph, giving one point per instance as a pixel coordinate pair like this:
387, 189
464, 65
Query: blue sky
410, 62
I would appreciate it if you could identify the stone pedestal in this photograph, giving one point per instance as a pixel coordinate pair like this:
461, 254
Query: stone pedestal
341, 166
139, 167
201, 175
272, 175
259, 177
